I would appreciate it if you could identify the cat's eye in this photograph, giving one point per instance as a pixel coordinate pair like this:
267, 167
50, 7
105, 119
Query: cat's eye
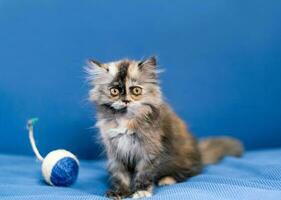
136, 90
114, 91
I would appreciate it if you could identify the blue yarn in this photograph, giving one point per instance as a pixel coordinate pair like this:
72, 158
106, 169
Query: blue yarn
64, 172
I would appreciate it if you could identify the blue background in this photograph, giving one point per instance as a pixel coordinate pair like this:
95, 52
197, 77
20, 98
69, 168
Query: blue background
222, 61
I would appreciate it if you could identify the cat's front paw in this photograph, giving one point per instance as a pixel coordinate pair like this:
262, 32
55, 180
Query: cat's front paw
142, 194
113, 195
117, 194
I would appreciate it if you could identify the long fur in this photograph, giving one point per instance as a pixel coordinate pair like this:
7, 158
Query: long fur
145, 141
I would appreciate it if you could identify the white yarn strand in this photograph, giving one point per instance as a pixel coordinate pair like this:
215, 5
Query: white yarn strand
32, 142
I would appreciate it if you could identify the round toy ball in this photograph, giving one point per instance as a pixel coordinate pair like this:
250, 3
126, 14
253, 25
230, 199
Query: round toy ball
60, 168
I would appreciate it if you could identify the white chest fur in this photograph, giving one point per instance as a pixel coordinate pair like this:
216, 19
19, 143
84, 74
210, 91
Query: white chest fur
124, 143
121, 128
127, 146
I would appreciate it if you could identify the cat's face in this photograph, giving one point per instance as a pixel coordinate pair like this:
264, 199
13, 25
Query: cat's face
124, 85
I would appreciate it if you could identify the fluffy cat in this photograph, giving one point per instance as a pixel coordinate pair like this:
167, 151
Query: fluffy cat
145, 141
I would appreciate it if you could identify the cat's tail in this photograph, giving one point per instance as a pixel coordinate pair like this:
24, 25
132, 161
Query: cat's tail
215, 148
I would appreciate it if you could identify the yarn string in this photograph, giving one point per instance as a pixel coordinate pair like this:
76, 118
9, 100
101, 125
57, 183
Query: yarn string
30, 124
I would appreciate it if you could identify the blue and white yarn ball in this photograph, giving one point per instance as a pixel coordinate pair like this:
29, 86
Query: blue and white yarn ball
60, 168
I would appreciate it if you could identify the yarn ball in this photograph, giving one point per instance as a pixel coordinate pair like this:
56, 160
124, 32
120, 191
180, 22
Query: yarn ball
60, 168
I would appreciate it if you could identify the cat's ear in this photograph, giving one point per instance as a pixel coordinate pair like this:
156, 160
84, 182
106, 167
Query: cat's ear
97, 72
149, 63
96, 64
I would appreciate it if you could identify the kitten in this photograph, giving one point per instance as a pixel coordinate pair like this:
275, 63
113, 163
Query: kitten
146, 142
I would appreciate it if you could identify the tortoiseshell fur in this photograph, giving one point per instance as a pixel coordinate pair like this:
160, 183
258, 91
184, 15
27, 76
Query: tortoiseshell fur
145, 141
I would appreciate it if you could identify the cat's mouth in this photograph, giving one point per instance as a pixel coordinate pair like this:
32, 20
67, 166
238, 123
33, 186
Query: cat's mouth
122, 110
120, 105
115, 109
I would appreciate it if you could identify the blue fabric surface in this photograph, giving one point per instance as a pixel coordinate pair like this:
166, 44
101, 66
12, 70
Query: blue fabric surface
255, 176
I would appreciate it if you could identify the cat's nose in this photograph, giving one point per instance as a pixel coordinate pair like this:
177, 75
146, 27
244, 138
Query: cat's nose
126, 101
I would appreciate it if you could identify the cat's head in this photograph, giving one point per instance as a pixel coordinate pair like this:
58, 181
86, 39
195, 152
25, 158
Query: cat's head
125, 84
